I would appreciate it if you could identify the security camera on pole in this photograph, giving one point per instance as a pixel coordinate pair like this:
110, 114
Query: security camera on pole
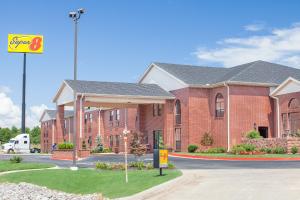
20, 43
75, 16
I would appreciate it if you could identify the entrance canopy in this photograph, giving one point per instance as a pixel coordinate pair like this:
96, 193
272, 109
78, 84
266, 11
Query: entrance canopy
111, 94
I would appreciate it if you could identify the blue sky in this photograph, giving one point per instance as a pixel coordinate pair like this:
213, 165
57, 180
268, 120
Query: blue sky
119, 39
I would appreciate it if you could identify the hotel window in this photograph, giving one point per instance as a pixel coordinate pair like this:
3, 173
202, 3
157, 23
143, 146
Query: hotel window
219, 105
177, 112
118, 115
111, 141
85, 118
294, 103
117, 140
91, 117
284, 121
159, 109
111, 115
154, 110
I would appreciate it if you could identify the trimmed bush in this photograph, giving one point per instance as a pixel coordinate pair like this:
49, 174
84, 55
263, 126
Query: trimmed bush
16, 159
207, 140
216, 150
294, 150
279, 150
237, 149
171, 165
64, 146
192, 148
248, 147
253, 135
266, 150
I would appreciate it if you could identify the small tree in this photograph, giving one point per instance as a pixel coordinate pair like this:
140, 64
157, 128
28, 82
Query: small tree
136, 146
207, 139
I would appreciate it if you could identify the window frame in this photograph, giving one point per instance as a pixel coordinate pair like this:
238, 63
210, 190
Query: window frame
219, 106
177, 112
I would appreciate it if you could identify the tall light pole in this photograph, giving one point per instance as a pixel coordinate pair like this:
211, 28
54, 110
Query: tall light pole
75, 16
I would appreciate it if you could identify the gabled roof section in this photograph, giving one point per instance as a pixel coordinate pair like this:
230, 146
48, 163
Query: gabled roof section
256, 73
263, 72
118, 89
193, 75
51, 114
290, 85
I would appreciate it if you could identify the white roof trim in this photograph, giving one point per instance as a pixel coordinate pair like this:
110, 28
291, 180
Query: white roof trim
154, 65
283, 84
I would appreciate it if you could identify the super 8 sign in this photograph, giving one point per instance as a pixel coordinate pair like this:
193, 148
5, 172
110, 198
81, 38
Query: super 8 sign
163, 158
20, 43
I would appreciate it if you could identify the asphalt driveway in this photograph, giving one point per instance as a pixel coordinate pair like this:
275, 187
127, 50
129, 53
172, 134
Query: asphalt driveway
180, 163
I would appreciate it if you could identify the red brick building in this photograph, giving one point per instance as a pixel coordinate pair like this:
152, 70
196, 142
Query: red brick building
178, 104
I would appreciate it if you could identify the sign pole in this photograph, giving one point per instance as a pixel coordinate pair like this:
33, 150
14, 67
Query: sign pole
24, 95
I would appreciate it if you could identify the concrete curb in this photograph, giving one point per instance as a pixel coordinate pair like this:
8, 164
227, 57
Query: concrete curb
230, 159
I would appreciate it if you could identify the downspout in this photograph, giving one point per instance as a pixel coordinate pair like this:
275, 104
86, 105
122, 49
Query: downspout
80, 125
53, 132
99, 124
228, 117
278, 115
69, 129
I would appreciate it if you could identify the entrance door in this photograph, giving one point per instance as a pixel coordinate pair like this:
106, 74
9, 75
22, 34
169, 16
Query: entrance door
263, 131
157, 139
177, 139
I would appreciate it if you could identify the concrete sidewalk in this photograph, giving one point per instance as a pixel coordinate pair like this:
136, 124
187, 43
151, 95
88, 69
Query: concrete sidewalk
232, 184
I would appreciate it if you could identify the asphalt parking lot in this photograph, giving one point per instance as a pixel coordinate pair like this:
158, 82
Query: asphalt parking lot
180, 163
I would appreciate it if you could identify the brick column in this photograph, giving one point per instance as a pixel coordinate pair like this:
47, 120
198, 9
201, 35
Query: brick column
80, 121
168, 115
60, 116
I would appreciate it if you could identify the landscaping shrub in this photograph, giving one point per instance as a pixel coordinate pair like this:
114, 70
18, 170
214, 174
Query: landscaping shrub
107, 150
65, 146
16, 159
192, 148
171, 165
279, 150
253, 135
216, 150
207, 140
149, 166
266, 150
101, 165
294, 150
237, 149
139, 165
248, 147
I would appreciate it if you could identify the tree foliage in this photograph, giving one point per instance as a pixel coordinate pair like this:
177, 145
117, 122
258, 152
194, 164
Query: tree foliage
136, 146
7, 133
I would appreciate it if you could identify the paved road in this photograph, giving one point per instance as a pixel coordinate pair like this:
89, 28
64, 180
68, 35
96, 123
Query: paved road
181, 163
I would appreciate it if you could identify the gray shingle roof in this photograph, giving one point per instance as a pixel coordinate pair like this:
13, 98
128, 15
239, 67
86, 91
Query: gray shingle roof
117, 88
254, 72
52, 113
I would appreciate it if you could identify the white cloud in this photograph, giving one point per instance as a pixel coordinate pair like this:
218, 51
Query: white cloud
255, 27
10, 113
280, 46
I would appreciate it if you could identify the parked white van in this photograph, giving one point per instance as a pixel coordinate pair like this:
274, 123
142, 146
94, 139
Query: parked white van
18, 144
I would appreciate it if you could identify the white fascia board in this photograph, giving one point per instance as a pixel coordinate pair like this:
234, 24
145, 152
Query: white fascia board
69, 99
276, 91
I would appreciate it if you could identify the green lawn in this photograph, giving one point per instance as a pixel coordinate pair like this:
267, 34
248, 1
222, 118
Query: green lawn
8, 166
227, 155
86, 181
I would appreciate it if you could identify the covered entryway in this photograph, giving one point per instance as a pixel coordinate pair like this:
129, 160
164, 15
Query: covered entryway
108, 96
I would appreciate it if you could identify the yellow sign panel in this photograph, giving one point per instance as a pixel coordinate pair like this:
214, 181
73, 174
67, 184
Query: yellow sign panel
163, 158
19, 43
